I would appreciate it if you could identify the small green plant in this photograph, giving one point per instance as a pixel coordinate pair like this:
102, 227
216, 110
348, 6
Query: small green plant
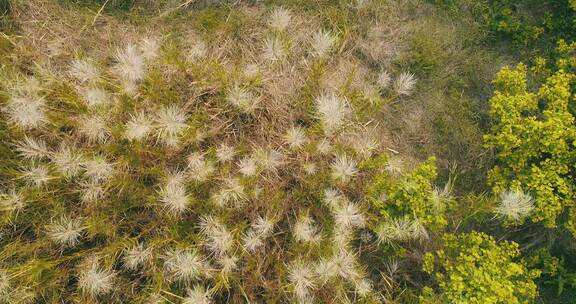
556, 272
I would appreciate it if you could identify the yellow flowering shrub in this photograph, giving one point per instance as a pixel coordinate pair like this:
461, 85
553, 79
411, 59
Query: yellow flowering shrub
533, 136
472, 268
412, 194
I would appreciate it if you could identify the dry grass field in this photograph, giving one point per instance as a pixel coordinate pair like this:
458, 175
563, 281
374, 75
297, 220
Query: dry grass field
240, 151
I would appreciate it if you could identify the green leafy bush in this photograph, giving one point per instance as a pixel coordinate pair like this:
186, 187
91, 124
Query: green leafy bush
472, 268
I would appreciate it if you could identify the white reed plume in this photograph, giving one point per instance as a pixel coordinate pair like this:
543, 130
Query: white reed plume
26, 112
12, 201
349, 216
65, 231
32, 148
302, 278
343, 264
225, 153
218, 239
94, 128
242, 99
327, 269
366, 237
259, 230
401, 229
384, 80
36, 175
364, 143
404, 83
322, 42
231, 193
171, 122
280, 19
332, 111
252, 241
324, 146
515, 204
96, 281
136, 256
95, 96
247, 166
273, 49
130, 64
92, 191
251, 70
263, 226
343, 168
138, 127
98, 169
342, 237
150, 47
362, 286
198, 295
334, 199
199, 168
83, 71
227, 263
67, 160
268, 159
309, 168
185, 265
305, 231
173, 195
295, 137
